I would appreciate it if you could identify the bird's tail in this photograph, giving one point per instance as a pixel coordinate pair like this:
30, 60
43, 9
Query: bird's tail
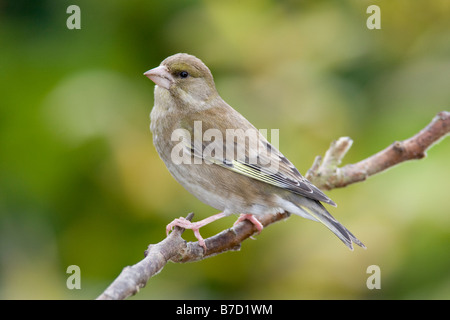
314, 210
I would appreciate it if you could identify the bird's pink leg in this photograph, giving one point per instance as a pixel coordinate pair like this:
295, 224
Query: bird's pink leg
252, 219
194, 226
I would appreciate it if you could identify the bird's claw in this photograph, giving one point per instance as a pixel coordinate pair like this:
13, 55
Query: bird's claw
252, 219
186, 224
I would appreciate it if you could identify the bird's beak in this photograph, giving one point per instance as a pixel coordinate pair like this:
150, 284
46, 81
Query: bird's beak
160, 76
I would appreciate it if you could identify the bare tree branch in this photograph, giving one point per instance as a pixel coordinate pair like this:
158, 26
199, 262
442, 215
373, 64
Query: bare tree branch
324, 173
131, 279
327, 175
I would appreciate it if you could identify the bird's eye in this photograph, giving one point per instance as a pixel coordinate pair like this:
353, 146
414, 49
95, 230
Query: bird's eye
184, 74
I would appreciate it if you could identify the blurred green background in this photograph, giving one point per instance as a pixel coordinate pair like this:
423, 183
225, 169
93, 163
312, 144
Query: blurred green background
81, 183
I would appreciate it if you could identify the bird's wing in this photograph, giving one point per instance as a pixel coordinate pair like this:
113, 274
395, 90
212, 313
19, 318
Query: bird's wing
250, 154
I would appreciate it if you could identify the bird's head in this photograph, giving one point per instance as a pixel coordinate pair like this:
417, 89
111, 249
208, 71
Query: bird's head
186, 78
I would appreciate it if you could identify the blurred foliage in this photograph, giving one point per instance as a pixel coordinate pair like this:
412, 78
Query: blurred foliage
80, 181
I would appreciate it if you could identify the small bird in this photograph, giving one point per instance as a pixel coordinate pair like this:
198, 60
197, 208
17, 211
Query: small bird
221, 158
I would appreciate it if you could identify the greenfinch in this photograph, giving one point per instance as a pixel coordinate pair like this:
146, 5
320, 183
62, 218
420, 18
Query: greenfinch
221, 158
